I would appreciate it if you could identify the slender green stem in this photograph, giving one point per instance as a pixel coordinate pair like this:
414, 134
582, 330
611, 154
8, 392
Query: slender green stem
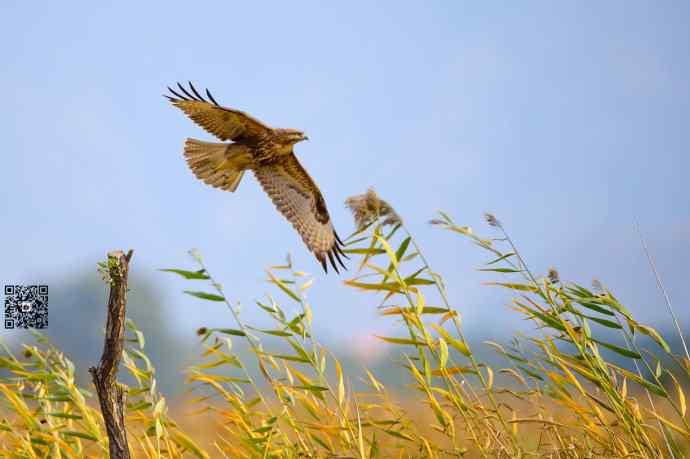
629, 340
458, 329
524, 269
322, 378
573, 338
256, 348
447, 381
667, 299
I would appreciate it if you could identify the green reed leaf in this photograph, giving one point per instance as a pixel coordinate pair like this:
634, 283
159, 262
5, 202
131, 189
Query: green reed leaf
617, 349
652, 333
501, 270
200, 274
401, 341
205, 295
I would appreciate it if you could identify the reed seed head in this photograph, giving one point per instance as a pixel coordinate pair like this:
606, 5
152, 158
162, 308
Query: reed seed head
368, 207
553, 276
598, 286
491, 219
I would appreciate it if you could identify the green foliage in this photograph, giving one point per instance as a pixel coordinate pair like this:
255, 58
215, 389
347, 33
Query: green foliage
580, 386
50, 416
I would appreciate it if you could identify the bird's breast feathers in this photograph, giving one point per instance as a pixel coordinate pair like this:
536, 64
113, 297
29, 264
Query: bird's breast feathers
268, 151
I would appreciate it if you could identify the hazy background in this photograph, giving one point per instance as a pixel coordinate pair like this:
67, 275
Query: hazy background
568, 120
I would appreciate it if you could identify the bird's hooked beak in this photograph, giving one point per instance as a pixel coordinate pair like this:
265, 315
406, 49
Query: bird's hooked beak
305, 137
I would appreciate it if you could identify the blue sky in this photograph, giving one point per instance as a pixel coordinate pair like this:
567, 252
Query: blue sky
568, 120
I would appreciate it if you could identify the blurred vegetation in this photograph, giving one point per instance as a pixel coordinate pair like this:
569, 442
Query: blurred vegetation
583, 385
77, 303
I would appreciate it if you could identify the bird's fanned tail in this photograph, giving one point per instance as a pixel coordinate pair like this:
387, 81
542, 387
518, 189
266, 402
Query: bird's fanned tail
220, 165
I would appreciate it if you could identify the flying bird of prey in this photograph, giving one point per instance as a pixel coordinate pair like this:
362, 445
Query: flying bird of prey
266, 151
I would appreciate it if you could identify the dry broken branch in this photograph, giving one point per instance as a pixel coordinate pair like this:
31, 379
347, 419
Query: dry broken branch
111, 395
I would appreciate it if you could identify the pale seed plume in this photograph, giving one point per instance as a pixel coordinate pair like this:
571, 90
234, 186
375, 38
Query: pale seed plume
368, 207
553, 276
491, 219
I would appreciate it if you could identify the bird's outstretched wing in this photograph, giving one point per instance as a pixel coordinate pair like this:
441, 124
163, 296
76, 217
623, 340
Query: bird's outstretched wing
225, 123
298, 198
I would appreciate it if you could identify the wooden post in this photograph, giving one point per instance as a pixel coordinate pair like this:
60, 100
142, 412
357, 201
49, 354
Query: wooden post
111, 395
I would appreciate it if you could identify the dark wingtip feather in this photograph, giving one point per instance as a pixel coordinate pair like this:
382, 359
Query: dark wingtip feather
337, 238
330, 257
323, 263
185, 91
343, 253
340, 250
337, 257
195, 92
339, 245
176, 94
208, 93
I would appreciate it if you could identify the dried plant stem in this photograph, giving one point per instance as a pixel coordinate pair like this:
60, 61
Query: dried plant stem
662, 288
451, 384
323, 378
630, 342
240, 324
458, 329
526, 271
111, 395
256, 348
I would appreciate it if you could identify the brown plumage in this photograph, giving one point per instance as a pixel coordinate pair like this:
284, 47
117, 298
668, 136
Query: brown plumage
268, 152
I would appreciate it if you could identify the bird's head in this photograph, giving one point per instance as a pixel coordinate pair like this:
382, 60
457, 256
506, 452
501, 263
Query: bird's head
290, 136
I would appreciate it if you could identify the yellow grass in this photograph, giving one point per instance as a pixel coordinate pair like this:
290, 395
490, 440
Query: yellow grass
559, 393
